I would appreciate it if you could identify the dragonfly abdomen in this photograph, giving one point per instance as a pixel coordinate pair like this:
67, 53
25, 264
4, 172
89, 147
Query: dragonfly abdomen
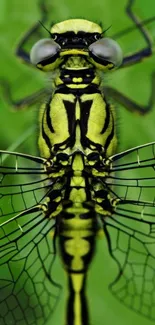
77, 239
77, 236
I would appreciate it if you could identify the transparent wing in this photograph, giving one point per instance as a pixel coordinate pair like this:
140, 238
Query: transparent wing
130, 231
133, 174
28, 292
22, 181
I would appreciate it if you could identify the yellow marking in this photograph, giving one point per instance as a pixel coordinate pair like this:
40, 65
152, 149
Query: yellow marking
51, 234
47, 199
52, 66
99, 200
78, 163
77, 283
57, 174
64, 163
83, 232
44, 208
97, 173
100, 234
77, 111
96, 121
78, 181
57, 199
114, 202
77, 247
78, 224
78, 173
56, 212
77, 145
76, 62
102, 67
78, 209
73, 52
58, 118
76, 25
58, 82
73, 86
77, 309
92, 147
77, 79
101, 211
78, 195
96, 80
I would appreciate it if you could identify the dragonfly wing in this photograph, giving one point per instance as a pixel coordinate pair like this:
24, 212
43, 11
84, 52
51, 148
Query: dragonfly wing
28, 291
130, 232
134, 252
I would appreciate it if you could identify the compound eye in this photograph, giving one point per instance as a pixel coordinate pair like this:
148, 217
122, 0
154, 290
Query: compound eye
43, 50
106, 49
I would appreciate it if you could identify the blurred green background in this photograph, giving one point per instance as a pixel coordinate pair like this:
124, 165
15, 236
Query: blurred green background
16, 17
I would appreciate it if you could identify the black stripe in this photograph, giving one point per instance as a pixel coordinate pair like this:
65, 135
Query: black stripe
111, 135
70, 110
107, 119
48, 117
85, 112
57, 146
44, 135
48, 60
86, 143
101, 61
72, 40
91, 89
87, 76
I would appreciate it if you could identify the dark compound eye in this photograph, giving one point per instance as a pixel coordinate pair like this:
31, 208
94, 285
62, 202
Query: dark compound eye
107, 49
43, 50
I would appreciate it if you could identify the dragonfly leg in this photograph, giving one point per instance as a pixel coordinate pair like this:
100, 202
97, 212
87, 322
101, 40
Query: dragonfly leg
23, 54
22, 103
130, 104
148, 50
35, 30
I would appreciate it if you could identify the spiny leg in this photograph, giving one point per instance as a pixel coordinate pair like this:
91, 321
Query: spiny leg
25, 57
130, 104
144, 53
20, 51
129, 60
24, 102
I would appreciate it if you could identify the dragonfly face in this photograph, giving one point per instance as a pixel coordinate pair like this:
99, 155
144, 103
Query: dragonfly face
84, 40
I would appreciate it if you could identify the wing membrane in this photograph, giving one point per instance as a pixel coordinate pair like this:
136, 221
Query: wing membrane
23, 182
135, 174
28, 292
134, 252
130, 231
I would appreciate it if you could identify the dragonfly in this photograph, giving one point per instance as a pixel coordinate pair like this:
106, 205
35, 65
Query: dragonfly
56, 204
